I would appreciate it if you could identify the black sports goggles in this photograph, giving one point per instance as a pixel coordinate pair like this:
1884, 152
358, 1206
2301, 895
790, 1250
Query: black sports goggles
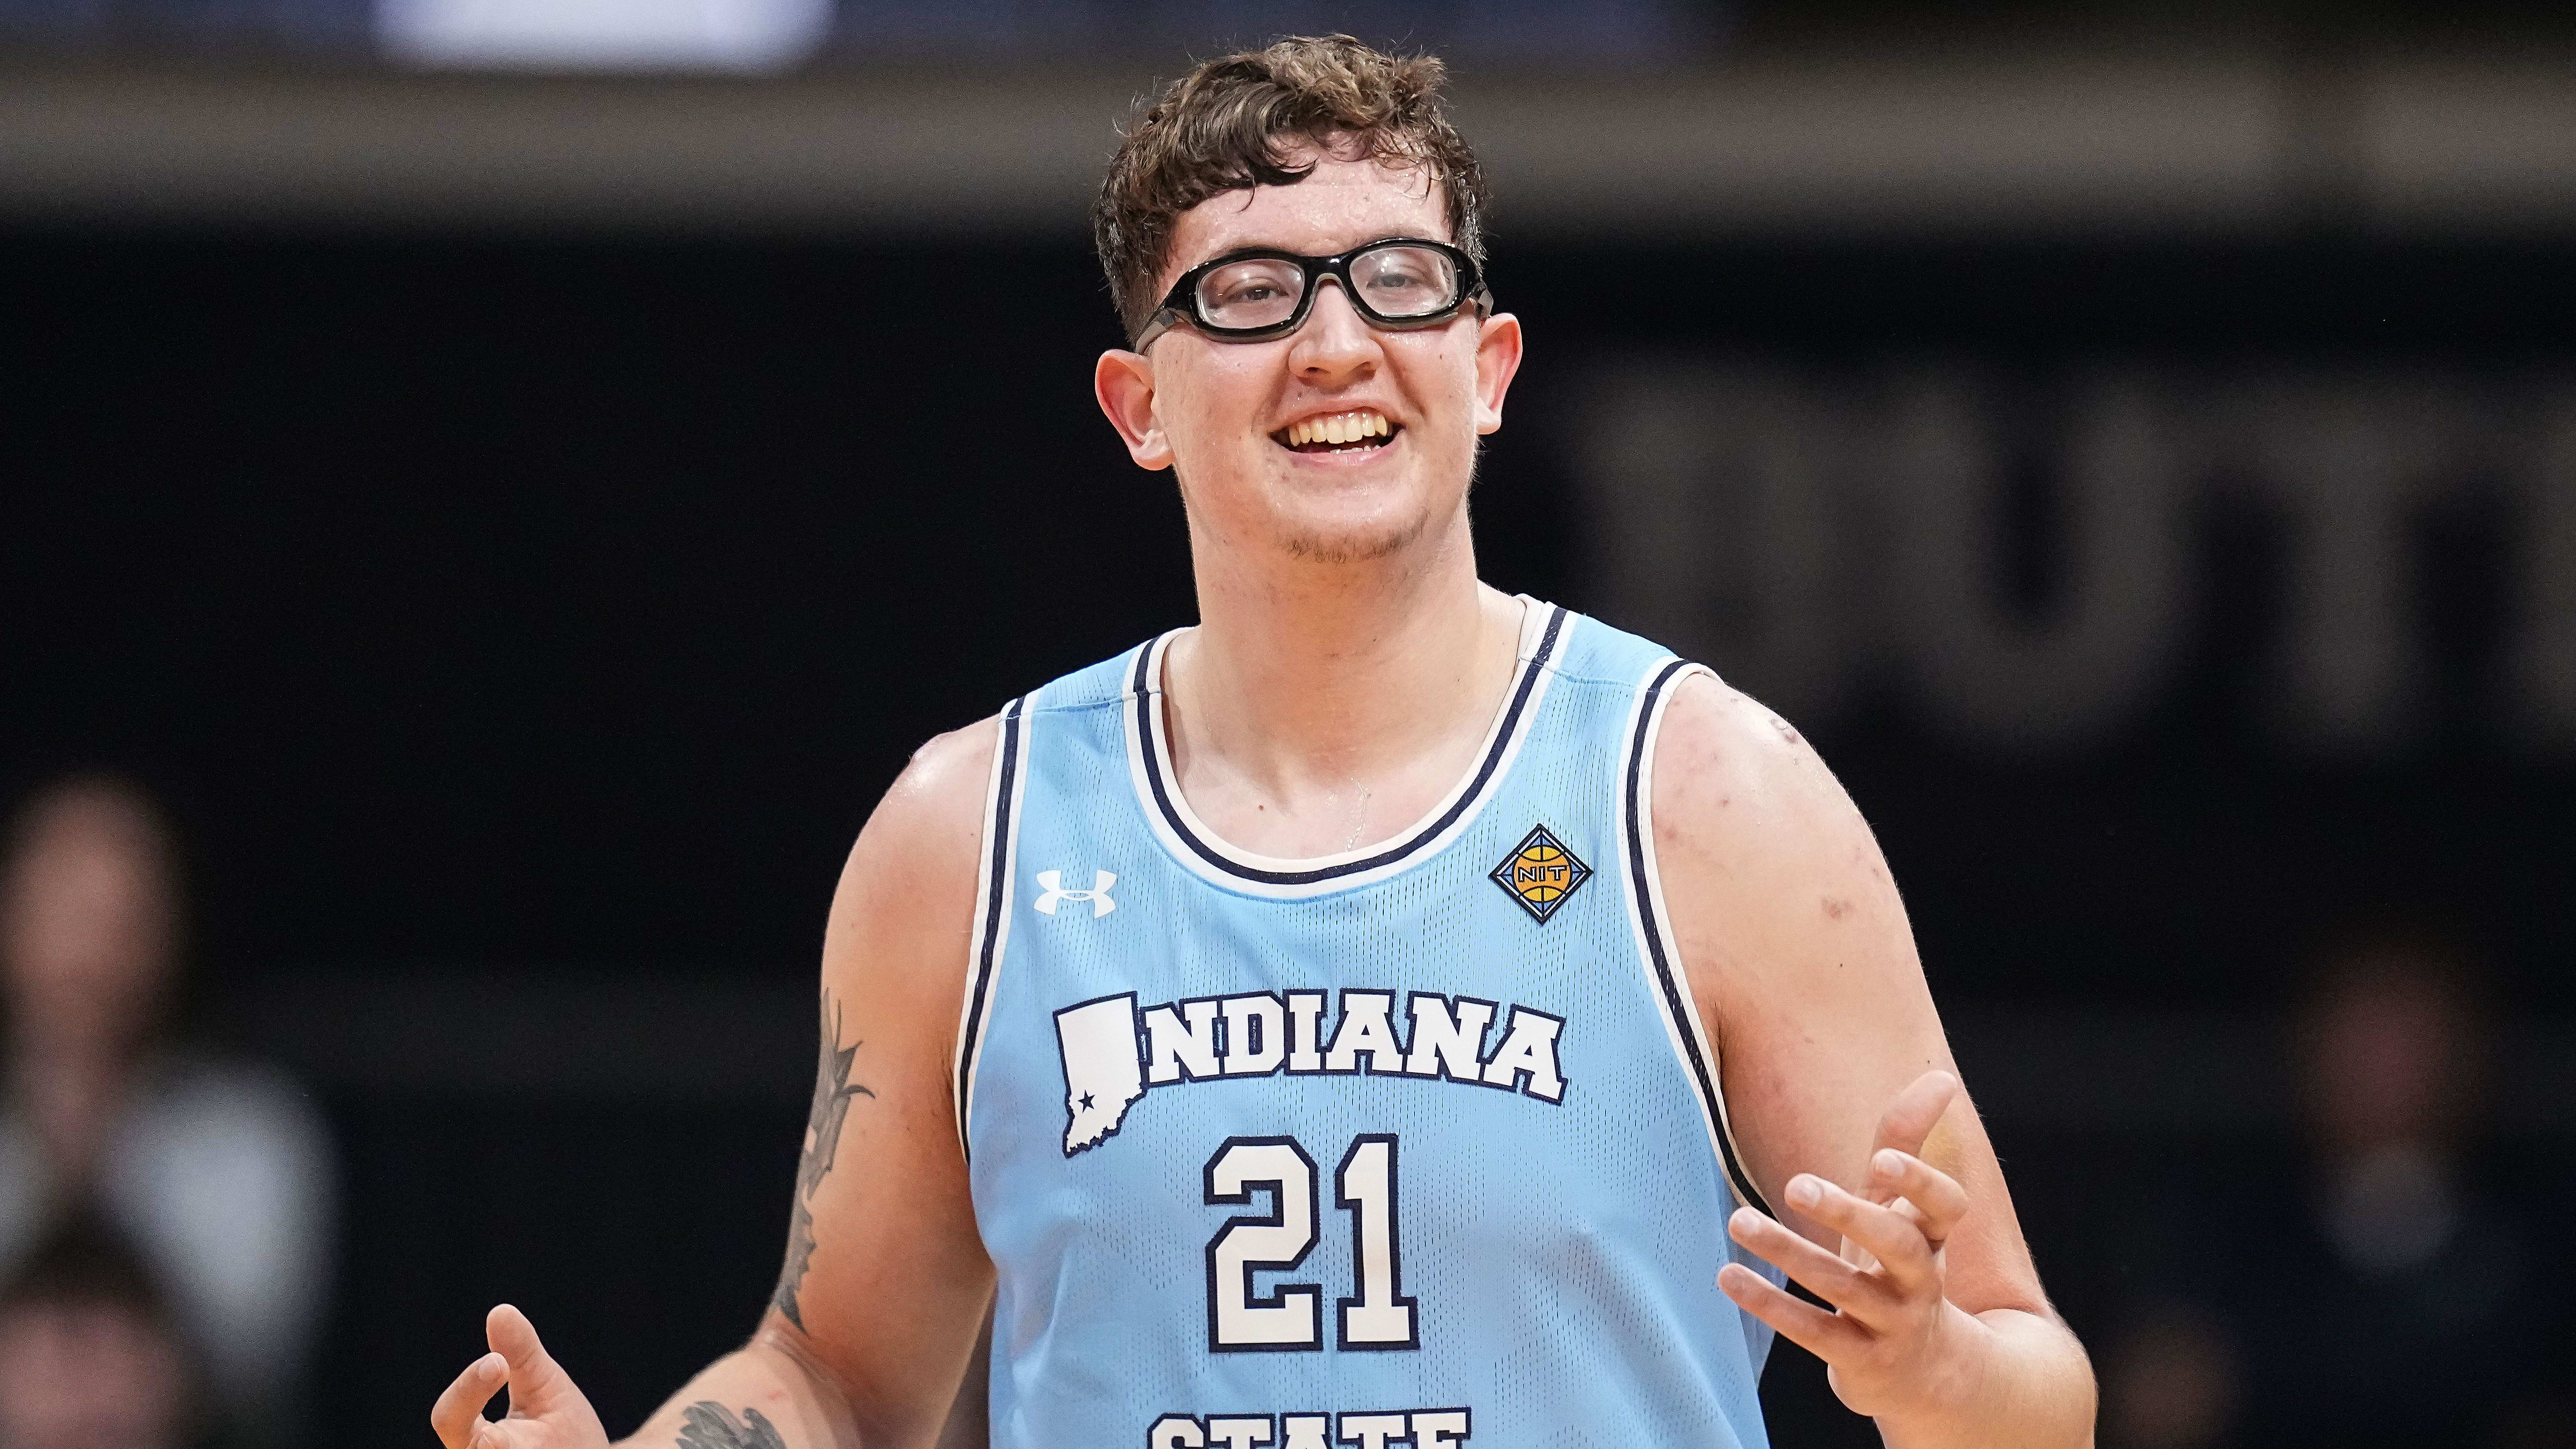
1399, 282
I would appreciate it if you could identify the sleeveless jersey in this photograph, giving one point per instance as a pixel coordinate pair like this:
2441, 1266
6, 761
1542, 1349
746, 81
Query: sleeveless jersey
1420, 1145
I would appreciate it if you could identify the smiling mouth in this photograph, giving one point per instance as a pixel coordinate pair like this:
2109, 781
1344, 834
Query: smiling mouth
1361, 431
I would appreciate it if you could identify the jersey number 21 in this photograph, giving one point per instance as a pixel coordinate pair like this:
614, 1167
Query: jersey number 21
1288, 1319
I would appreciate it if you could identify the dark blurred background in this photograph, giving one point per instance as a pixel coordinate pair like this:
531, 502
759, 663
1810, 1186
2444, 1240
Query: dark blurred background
490, 494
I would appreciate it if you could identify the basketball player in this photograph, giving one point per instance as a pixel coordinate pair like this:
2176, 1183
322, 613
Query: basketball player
1390, 1013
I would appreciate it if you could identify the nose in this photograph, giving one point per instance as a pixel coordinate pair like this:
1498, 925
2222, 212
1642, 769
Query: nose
1337, 344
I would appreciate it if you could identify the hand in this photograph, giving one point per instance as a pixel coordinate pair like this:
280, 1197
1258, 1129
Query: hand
1897, 1343
546, 1410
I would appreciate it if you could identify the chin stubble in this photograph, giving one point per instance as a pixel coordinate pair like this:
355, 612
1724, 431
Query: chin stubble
1357, 546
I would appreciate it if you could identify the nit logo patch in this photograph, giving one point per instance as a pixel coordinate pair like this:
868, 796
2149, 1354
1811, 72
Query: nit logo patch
1540, 873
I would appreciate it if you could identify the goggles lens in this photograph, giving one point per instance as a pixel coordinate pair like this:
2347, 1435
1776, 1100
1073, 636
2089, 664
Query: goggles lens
1254, 292
1405, 281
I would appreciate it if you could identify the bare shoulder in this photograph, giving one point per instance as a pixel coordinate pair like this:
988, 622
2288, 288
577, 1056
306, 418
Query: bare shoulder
943, 784
907, 890
1742, 801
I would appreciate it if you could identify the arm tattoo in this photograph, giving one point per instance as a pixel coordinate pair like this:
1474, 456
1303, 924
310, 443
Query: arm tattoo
833, 1090
707, 1424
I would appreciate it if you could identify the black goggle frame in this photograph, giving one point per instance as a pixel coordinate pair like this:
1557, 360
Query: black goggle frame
1181, 304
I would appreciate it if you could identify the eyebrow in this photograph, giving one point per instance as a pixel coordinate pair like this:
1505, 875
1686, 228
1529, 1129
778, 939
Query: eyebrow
1272, 246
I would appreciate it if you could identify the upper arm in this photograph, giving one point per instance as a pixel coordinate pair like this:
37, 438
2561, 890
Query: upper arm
886, 1280
1804, 969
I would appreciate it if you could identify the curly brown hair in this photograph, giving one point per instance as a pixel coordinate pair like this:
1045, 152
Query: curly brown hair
1241, 120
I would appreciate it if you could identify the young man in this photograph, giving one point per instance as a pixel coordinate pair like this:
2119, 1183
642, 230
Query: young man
1385, 1013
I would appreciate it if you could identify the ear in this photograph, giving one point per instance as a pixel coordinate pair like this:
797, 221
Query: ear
1498, 360
1123, 381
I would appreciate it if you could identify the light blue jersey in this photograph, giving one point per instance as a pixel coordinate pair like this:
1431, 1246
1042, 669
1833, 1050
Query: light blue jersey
1420, 1145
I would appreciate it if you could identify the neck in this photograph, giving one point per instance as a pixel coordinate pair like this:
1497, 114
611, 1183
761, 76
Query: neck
1331, 693
71, 1092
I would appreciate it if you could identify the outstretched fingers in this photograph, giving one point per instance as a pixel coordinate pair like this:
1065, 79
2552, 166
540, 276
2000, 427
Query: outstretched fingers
1829, 1336
1938, 1200
1888, 1335
1845, 1285
538, 1385
1909, 1120
458, 1415
1892, 1237
546, 1407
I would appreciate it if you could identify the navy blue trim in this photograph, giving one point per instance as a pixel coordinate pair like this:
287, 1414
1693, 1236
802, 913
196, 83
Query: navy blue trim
993, 889
1148, 728
1676, 1000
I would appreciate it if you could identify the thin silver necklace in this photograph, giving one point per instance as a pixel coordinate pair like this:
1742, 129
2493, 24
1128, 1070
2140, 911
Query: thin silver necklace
1359, 824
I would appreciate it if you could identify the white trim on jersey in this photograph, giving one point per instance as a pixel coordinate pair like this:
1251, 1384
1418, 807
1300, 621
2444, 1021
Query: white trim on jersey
1666, 980
1003, 792
1190, 841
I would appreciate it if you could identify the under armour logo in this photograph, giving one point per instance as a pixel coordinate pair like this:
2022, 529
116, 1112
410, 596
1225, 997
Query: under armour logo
1052, 882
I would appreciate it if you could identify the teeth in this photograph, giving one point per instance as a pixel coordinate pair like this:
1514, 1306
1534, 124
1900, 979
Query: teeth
1339, 428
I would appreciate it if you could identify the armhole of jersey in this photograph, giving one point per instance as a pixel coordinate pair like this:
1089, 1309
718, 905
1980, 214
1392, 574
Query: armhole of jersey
992, 928
1667, 981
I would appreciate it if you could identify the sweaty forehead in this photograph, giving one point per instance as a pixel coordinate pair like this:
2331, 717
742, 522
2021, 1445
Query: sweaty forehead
1340, 204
